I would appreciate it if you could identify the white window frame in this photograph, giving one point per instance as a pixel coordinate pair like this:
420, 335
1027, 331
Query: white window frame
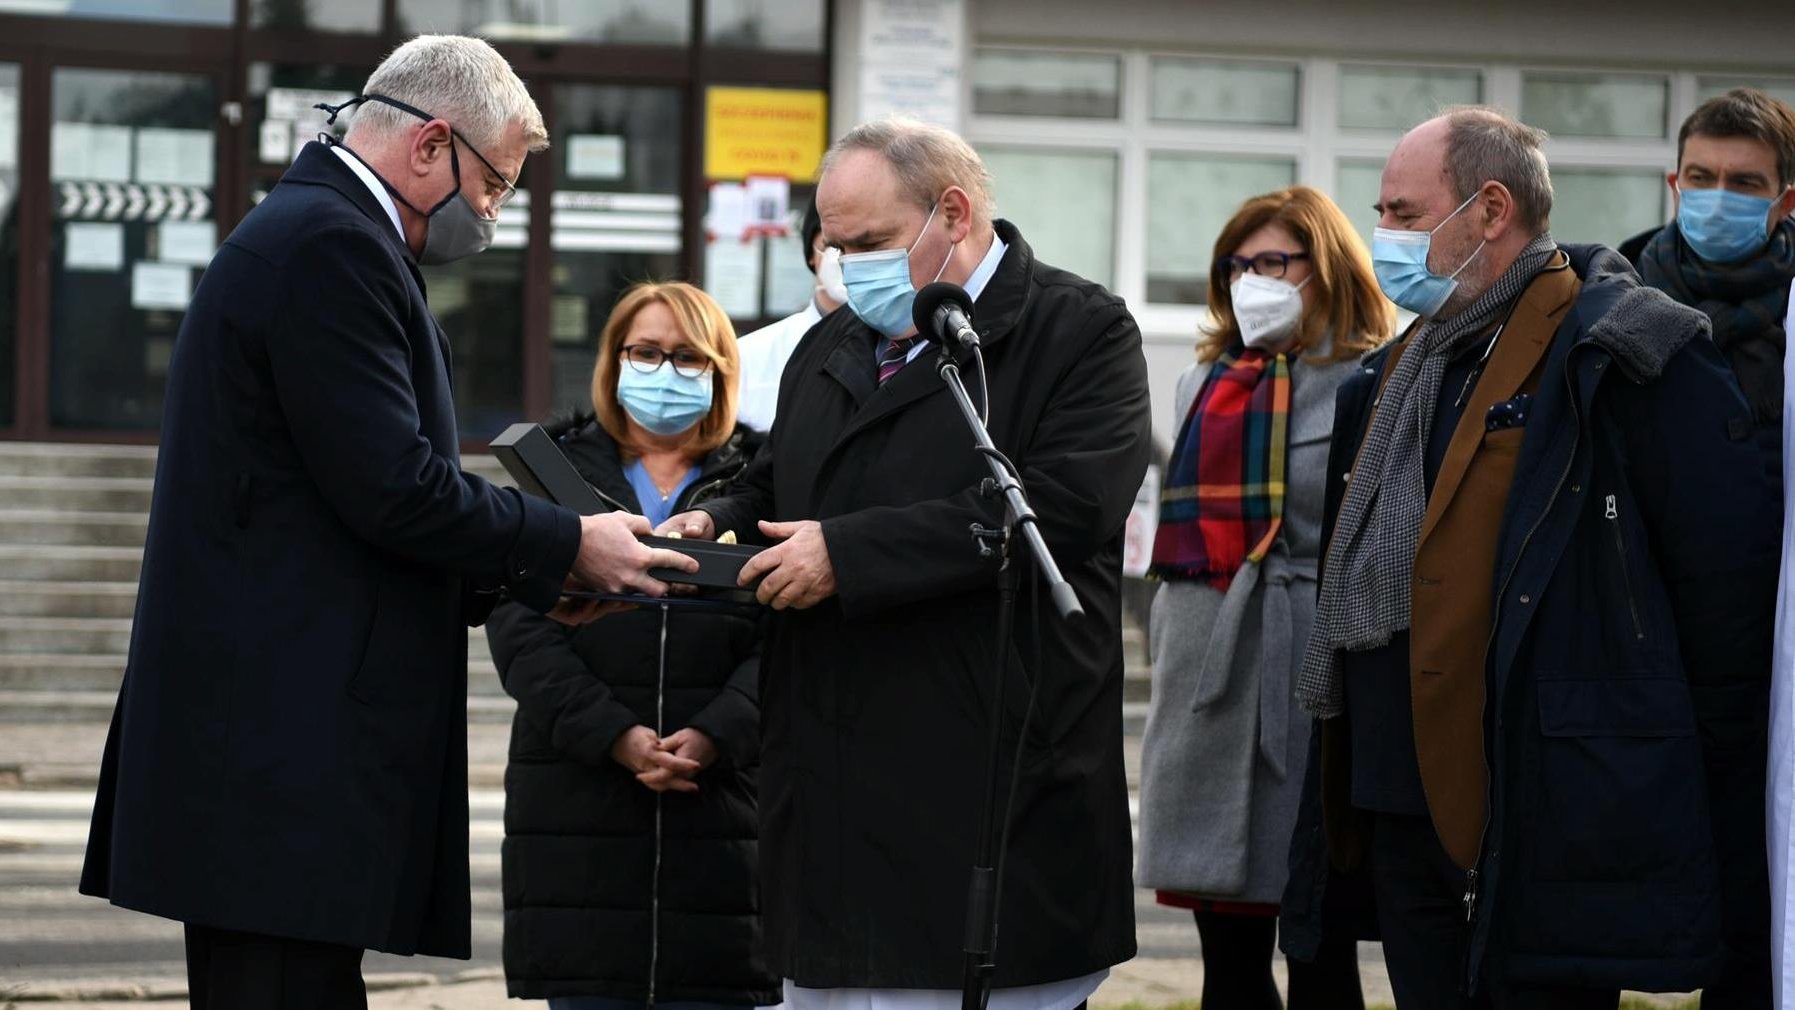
1316, 143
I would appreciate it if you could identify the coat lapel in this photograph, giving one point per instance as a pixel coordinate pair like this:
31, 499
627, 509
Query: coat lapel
851, 362
1526, 337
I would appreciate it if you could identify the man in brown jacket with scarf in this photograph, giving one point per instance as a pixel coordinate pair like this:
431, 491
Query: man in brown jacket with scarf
1546, 603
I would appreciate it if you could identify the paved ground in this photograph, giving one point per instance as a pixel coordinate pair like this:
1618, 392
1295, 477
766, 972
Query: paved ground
56, 942
57, 945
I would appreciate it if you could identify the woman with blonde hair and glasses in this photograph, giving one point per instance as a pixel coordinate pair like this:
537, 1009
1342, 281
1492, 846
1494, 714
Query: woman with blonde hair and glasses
1293, 303
630, 811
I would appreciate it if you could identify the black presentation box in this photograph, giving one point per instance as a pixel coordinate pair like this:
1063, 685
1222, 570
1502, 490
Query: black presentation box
533, 459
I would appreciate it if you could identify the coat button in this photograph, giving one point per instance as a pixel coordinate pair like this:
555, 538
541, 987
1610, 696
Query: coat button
1346, 477
1576, 489
1526, 599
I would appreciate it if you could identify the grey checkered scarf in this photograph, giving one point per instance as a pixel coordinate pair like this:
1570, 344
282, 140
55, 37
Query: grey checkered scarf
1365, 591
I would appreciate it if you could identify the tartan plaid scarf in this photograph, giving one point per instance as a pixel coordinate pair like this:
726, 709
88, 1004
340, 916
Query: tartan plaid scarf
1746, 302
1223, 500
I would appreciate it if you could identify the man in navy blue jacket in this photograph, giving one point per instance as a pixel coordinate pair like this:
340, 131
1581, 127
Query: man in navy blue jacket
287, 771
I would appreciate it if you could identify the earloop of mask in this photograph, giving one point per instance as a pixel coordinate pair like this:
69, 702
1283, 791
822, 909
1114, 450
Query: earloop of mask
333, 111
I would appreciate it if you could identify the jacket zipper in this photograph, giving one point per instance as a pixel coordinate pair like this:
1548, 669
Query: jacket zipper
1472, 881
654, 898
1612, 513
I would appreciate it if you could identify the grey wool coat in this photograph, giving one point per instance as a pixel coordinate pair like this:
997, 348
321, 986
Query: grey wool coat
1222, 758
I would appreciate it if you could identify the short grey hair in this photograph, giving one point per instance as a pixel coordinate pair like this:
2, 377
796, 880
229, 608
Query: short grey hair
455, 78
1485, 144
926, 158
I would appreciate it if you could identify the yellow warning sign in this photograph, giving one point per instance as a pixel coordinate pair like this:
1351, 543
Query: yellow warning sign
764, 131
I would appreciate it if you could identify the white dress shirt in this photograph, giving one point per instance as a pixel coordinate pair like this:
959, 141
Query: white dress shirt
1061, 995
368, 179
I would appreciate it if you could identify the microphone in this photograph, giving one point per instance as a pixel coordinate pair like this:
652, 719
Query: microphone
943, 311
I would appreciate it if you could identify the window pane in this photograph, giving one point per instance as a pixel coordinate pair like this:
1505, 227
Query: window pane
1189, 199
1006, 82
789, 282
479, 302
1063, 201
192, 12
315, 15
1224, 91
755, 24
1595, 105
1780, 88
131, 169
639, 22
9, 238
281, 117
1606, 205
1396, 98
616, 218
1356, 185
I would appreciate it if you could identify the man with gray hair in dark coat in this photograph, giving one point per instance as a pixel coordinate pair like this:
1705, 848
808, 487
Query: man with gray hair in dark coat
286, 771
1546, 605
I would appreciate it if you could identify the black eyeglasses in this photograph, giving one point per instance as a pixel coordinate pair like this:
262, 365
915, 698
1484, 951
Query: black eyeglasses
499, 189
1266, 264
687, 361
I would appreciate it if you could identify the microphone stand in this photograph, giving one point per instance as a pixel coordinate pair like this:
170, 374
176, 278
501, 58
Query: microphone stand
985, 884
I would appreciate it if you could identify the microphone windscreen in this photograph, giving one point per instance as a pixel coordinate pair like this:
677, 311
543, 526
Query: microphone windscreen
931, 298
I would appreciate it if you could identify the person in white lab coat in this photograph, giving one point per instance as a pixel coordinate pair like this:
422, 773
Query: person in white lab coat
1780, 804
765, 351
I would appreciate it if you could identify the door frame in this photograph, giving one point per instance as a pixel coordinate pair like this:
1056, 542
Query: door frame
148, 48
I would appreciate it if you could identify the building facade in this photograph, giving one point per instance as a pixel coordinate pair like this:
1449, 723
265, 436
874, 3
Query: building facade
1121, 136
135, 133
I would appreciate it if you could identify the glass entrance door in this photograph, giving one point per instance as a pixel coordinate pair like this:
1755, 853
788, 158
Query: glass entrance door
133, 157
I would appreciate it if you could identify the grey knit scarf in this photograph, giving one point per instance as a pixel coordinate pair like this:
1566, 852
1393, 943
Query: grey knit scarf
1365, 590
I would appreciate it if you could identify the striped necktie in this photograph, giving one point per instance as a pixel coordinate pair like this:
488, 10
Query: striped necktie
897, 353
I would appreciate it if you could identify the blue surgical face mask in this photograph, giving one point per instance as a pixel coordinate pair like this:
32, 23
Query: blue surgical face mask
878, 283
1399, 258
1723, 226
663, 401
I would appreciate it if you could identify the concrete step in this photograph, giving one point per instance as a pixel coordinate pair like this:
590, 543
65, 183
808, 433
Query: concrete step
100, 634
78, 672
94, 707
46, 598
65, 563
66, 673
63, 459
82, 636
59, 526
76, 494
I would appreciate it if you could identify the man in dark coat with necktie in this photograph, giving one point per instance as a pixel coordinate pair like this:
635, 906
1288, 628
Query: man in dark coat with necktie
876, 682
286, 771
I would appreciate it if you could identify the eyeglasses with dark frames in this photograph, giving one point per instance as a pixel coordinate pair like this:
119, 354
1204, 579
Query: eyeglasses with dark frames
1266, 264
687, 361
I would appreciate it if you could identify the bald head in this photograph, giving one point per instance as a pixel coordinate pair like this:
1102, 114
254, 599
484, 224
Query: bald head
1478, 180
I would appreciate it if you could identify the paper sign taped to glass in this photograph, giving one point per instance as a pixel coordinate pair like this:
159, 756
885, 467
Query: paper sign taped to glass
539, 467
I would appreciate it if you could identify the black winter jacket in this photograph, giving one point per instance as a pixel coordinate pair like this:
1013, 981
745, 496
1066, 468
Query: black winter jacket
1629, 667
605, 880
